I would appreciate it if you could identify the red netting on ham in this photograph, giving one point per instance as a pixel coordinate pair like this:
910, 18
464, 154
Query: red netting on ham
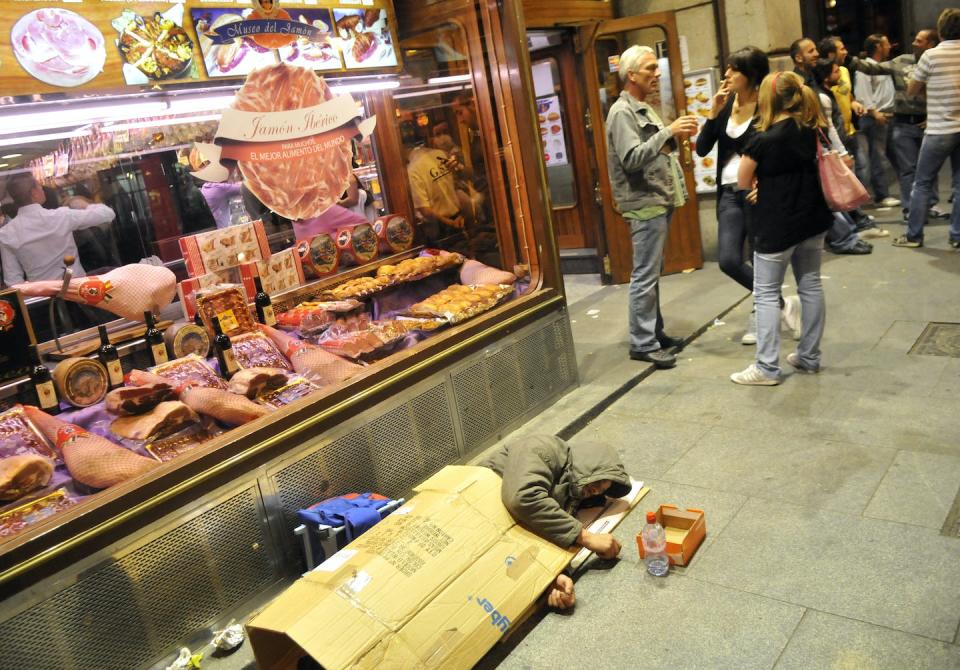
302, 188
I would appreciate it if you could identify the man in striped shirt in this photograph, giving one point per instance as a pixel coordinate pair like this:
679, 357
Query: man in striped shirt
937, 73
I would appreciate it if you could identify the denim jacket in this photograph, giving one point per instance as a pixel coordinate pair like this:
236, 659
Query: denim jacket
640, 172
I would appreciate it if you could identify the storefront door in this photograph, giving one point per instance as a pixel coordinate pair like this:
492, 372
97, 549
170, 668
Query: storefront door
601, 43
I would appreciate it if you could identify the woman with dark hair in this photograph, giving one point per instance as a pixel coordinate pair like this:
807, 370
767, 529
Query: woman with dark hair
729, 128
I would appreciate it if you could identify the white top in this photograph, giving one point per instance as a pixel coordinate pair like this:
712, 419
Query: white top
835, 143
939, 69
728, 175
34, 242
876, 92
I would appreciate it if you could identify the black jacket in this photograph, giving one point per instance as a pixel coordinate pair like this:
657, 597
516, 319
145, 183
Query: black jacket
714, 131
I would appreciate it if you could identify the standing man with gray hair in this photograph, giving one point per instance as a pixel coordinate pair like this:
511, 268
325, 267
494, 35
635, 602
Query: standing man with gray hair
647, 186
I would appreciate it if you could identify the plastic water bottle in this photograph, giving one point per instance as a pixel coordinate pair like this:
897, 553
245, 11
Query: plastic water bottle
655, 547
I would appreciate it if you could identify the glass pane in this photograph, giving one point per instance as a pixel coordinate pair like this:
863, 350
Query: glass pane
554, 132
442, 146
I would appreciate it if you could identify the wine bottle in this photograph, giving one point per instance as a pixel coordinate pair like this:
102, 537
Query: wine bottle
42, 381
154, 338
197, 319
265, 313
223, 347
107, 353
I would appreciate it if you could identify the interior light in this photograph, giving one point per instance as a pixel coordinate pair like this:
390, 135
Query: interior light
3, 165
451, 79
46, 137
365, 87
429, 91
11, 156
193, 105
37, 120
155, 123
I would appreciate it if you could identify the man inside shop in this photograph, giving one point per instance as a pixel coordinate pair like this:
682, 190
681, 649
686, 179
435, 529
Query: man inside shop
34, 242
545, 482
433, 188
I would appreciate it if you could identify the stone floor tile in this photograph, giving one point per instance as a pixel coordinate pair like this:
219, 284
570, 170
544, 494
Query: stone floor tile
827, 641
785, 467
650, 622
918, 489
889, 574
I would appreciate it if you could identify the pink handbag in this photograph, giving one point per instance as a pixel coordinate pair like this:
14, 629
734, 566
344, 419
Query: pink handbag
841, 188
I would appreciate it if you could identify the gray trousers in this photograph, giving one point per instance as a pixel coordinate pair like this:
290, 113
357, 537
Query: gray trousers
768, 273
644, 305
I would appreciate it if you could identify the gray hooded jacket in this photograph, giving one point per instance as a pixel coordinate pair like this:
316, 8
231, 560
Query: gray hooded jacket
543, 480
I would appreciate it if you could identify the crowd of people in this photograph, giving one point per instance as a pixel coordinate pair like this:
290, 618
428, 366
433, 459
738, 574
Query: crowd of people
770, 128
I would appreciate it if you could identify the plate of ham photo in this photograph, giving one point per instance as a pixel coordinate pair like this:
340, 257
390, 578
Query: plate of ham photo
58, 47
365, 38
317, 54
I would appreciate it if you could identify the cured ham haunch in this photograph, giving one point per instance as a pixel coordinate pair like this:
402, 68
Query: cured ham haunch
92, 460
311, 361
296, 189
130, 400
164, 419
252, 382
127, 291
226, 407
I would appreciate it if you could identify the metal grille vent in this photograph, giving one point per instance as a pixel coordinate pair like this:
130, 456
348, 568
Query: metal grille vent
133, 611
389, 455
522, 376
474, 405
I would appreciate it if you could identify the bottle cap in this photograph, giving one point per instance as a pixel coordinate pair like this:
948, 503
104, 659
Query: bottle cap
651, 517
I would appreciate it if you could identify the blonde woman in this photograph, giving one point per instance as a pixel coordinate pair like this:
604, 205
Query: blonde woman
779, 167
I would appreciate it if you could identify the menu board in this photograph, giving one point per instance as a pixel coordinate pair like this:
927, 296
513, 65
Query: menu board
699, 88
53, 46
551, 131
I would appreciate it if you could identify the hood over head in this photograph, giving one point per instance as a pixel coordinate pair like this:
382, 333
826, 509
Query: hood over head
592, 462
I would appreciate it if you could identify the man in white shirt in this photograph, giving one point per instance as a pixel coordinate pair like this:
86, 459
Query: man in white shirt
938, 74
34, 242
876, 94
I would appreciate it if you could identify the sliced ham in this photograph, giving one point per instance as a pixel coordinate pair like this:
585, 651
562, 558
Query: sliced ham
130, 400
252, 382
164, 419
19, 475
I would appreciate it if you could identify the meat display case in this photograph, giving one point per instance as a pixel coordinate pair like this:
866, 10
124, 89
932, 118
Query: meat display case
130, 574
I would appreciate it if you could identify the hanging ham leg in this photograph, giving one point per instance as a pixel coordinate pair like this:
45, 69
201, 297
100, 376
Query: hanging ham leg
229, 408
92, 460
313, 362
127, 291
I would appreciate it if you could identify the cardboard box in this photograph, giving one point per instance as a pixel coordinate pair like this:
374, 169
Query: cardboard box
685, 530
220, 249
435, 584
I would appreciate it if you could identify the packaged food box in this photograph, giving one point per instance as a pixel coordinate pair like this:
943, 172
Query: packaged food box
230, 306
221, 249
358, 244
280, 272
319, 256
395, 233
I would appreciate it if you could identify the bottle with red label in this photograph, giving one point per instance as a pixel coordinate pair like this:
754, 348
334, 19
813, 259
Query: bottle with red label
42, 381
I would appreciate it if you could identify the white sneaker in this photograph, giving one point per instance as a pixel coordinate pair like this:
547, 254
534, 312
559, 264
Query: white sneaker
753, 377
873, 231
790, 315
889, 201
750, 337
794, 360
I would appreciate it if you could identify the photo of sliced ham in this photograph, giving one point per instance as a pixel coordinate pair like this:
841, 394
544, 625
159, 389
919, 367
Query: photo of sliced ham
58, 47
296, 189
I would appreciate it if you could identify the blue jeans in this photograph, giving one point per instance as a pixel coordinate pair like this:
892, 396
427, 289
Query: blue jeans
732, 215
906, 139
768, 273
842, 235
871, 156
644, 304
933, 154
